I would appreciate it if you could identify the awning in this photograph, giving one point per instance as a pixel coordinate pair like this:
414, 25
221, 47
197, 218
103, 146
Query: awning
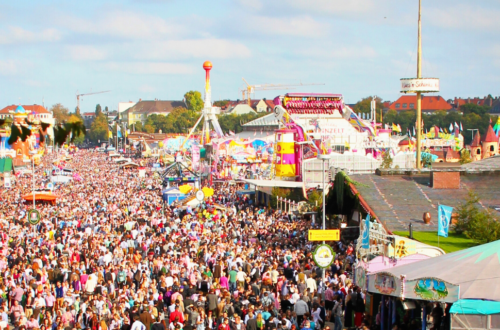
5, 165
475, 307
245, 192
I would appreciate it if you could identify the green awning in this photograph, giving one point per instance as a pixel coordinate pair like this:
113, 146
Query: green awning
2, 164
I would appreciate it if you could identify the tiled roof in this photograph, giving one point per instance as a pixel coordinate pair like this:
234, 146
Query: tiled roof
29, 108
476, 142
429, 103
399, 200
490, 135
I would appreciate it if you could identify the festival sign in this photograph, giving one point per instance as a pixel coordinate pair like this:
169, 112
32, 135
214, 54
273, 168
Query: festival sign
422, 85
323, 235
384, 283
360, 276
431, 289
323, 255
34, 217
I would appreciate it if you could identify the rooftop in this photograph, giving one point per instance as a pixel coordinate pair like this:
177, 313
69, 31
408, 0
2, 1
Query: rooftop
399, 200
429, 103
29, 108
156, 106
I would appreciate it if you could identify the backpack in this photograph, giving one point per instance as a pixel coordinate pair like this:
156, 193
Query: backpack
137, 275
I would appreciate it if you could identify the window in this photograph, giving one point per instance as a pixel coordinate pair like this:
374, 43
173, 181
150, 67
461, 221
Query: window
405, 105
412, 105
492, 148
478, 151
397, 105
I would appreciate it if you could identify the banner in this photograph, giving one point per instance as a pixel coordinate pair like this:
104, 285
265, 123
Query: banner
444, 218
195, 157
365, 243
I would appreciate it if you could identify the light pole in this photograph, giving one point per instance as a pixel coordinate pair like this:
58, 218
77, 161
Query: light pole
323, 159
33, 153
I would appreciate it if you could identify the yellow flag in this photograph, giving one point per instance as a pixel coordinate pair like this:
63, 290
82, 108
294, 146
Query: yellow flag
110, 134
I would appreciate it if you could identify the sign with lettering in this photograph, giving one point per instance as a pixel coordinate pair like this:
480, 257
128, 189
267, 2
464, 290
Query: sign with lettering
324, 235
423, 85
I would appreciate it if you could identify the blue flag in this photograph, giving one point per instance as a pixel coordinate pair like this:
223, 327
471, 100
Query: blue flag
365, 238
444, 218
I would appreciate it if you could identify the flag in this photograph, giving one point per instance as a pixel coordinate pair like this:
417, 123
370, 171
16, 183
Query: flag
414, 131
127, 132
440, 129
456, 125
399, 128
118, 131
461, 129
231, 133
444, 217
110, 135
304, 189
394, 128
365, 238
451, 128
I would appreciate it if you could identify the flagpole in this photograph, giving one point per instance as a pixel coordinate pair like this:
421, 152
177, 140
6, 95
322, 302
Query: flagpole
419, 94
438, 222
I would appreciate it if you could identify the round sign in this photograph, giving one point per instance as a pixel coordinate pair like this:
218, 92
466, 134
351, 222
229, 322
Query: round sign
50, 185
323, 255
200, 195
34, 217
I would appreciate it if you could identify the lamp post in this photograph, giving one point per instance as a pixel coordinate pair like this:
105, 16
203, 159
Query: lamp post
323, 159
33, 153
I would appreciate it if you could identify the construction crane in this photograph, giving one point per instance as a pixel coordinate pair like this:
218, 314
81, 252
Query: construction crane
78, 97
250, 89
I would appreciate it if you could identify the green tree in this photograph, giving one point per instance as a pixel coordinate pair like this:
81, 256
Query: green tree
364, 106
465, 157
59, 112
221, 103
98, 110
477, 224
99, 130
193, 100
138, 126
474, 108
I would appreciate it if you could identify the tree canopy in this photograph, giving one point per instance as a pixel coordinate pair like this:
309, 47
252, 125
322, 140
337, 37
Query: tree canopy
60, 113
364, 106
193, 100
99, 130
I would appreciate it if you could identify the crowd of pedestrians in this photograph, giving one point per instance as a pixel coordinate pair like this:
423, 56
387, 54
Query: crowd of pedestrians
110, 255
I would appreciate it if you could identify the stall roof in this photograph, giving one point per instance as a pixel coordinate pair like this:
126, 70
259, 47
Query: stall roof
476, 270
475, 307
274, 183
245, 192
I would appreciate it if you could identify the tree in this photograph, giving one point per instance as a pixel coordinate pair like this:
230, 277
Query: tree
477, 224
98, 110
138, 126
59, 112
193, 100
364, 106
474, 108
106, 110
221, 103
465, 157
386, 160
99, 130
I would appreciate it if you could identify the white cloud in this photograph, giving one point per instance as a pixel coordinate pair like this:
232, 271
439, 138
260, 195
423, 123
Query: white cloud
192, 48
147, 89
122, 24
304, 26
8, 67
149, 67
464, 16
16, 35
251, 4
85, 53
333, 6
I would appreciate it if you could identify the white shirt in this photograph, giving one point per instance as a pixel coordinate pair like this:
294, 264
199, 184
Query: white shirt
138, 325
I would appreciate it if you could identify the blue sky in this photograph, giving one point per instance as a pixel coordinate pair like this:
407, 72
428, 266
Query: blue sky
150, 49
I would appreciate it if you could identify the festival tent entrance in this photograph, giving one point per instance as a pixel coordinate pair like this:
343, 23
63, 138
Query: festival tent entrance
468, 274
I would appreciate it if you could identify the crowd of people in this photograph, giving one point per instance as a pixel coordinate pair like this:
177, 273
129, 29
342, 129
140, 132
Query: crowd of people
110, 255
